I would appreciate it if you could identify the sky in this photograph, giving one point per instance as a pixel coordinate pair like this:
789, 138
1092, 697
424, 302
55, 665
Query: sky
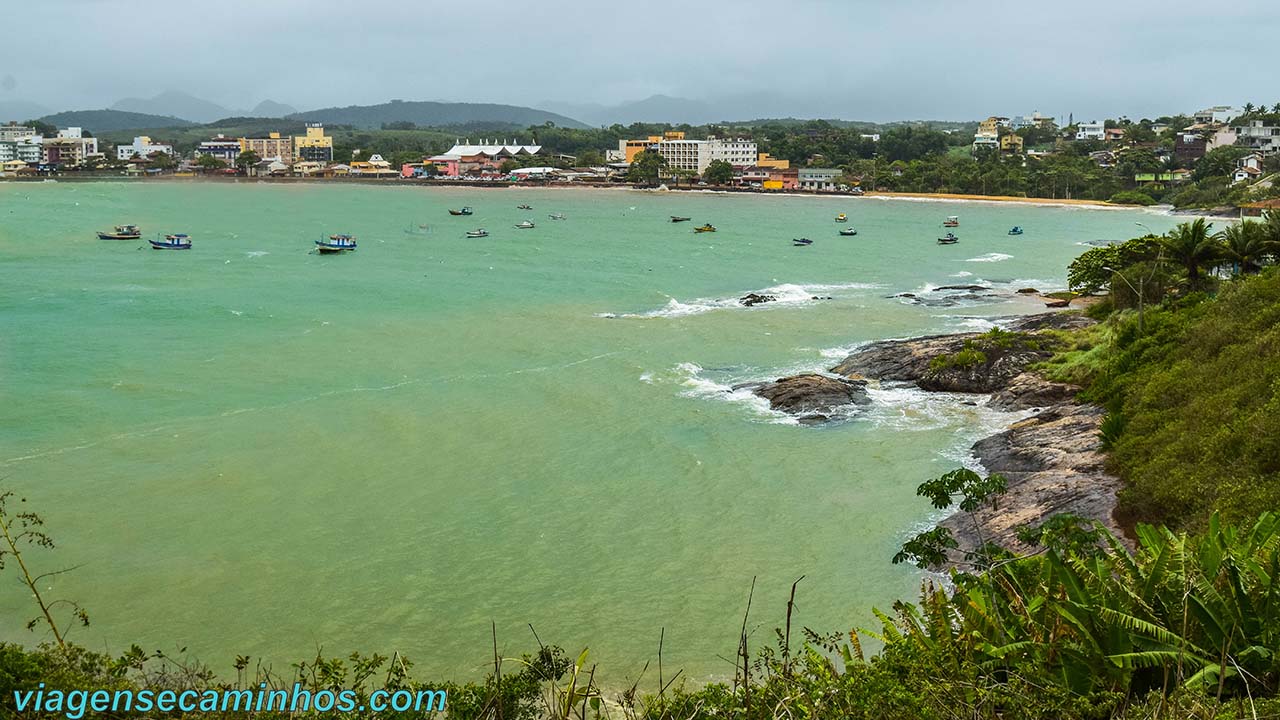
851, 59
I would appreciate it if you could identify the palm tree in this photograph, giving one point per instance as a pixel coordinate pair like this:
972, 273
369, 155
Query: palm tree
1248, 108
1244, 244
1191, 245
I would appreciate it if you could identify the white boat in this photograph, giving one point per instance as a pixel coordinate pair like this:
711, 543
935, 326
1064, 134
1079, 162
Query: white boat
556, 216
478, 233
525, 225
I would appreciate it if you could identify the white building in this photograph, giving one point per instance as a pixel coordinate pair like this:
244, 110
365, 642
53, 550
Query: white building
14, 131
1259, 136
1091, 131
1217, 114
220, 147
695, 155
737, 152
1248, 168
142, 147
28, 149
818, 178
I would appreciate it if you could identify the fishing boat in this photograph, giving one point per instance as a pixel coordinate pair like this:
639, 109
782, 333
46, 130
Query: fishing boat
477, 233
464, 211
524, 225
176, 241
1016, 230
524, 207
948, 239
122, 232
678, 218
705, 228
951, 221
556, 216
842, 218
848, 232
335, 244
801, 242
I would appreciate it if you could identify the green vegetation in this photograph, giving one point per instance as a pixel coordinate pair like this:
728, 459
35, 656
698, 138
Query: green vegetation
986, 349
1132, 197
719, 172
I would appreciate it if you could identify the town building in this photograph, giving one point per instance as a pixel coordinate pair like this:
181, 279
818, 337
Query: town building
28, 150
14, 131
271, 146
819, 178
1011, 143
988, 135
1248, 168
1113, 134
314, 146
1189, 147
221, 147
142, 147
70, 147
1258, 135
1090, 131
765, 161
693, 156
375, 166
1217, 114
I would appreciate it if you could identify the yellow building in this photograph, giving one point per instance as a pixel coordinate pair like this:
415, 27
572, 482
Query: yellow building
315, 146
1011, 143
271, 146
991, 126
765, 161
630, 148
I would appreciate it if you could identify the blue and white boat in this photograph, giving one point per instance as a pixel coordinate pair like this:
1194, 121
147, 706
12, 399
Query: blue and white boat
336, 244
175, 241
1016, 230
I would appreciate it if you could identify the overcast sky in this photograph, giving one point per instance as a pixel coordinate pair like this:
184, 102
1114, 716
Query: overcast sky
854, 59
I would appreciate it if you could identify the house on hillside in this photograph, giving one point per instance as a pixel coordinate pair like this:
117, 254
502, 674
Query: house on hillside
1090, 131
1248, 168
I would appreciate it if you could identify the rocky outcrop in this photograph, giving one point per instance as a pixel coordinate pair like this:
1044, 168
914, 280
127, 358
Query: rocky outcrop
900, 360
751, 299
814, 398
995, 373
1054, 464
1028, 390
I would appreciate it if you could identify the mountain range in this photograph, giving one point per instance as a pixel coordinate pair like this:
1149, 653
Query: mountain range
175, 103
435, 114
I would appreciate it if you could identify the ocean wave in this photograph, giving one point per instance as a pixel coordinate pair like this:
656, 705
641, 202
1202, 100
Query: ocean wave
991, 257
698, 384
786, 294
907, 408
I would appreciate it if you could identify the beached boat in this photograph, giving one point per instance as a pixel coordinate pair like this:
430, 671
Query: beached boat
556, 216
524, 207
176, 241
335, 244
524, 225
477, 233
122, 232
951, 221
1016, 230
464, 211
948, 239
678, 218
705, 228
848, 232
842, 218
801, 242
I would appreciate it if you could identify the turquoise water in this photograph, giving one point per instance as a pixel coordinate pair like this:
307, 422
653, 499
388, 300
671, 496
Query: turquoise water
253, 449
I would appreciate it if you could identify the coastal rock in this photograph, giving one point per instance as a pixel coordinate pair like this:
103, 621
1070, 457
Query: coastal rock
905, 360
1050, 321
813, 397
990, 376
1054, 464
751, 299
944, 288
1029, 390
1057, 303
1028, 291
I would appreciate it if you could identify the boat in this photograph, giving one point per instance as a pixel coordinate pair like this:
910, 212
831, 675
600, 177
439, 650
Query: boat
477, 233
842, 218
951, 221
1016, 230
464, 211
677, 218
524, 207
335, 244
524, 225
556, 216
948, 239
801, 242
705, 228
122, 232
848, 231
176, 241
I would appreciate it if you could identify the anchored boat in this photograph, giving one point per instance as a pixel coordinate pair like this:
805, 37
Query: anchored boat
524, 225
477, 233
122, 232
848, 232
176, 241
801, 242
556, 216
951, 221
335, 244
705, 228
678, 218
1016, 230
524, 207
464, 211
842, 218
948, 239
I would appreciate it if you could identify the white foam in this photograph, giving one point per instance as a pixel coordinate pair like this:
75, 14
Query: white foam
257, 253
991, 257
785, 294
962, 274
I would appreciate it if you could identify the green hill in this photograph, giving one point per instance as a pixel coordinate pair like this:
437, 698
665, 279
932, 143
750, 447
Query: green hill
100, 121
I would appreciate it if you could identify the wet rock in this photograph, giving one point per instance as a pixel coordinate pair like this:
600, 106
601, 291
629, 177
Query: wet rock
1050, 321
1057, 303
1029, 390
751, 299
906, 360
1028, 291
960, 287
822, 297
813, 397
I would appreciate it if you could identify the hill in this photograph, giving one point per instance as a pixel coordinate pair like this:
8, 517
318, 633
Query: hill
435, 114
101, 121
175, 103
272, 109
